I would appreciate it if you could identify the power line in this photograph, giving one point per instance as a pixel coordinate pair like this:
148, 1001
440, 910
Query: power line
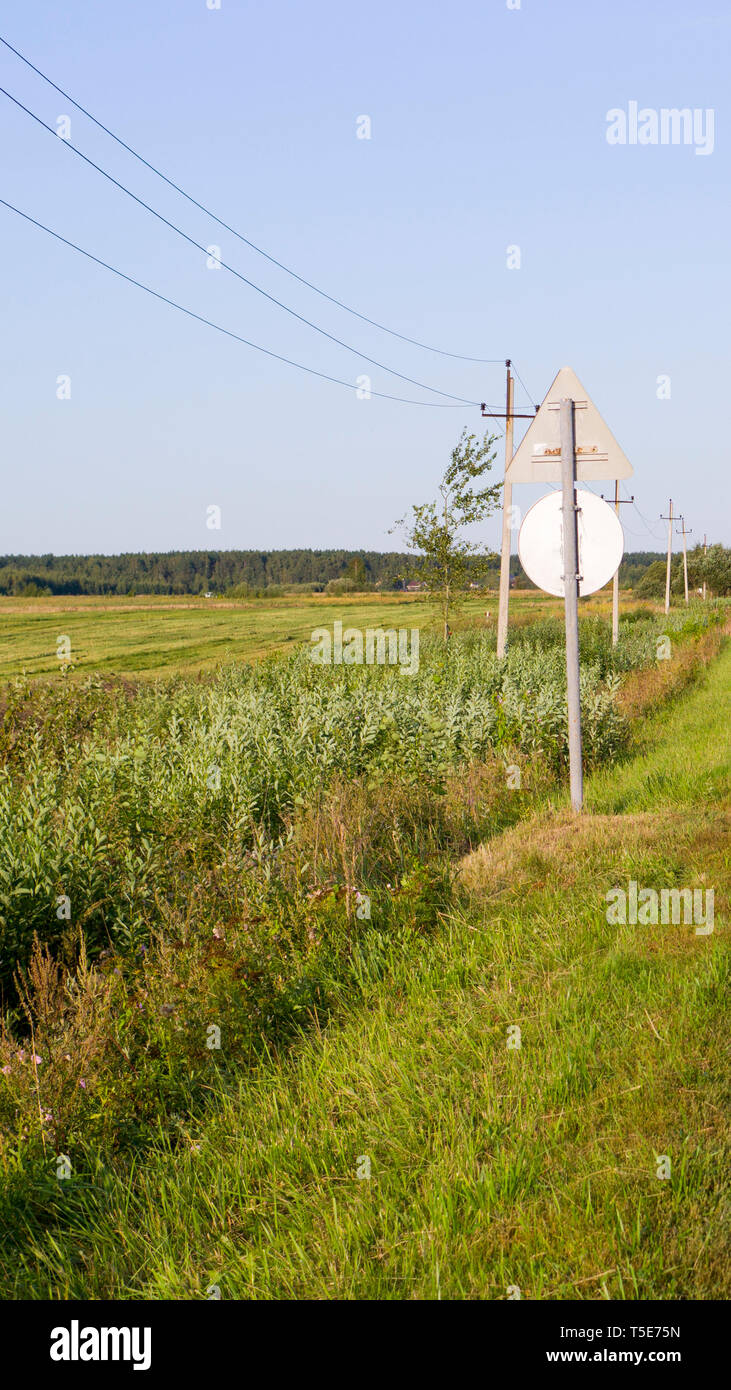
646, 523
239, 235
628, 529
520, 379
435, 405
199, 247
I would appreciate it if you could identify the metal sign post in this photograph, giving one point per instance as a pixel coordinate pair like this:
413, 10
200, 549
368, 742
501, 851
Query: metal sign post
570, 544
576, 548
571, 599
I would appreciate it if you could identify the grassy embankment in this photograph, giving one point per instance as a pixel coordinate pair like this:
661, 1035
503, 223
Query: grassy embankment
489, 1166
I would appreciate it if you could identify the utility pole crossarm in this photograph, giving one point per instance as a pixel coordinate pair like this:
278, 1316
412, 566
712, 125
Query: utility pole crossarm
501, 414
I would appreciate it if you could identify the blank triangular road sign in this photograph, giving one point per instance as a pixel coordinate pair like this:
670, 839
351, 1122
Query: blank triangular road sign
598, 455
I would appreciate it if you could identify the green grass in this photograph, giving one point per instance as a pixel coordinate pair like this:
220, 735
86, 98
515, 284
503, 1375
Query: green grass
489, 1167
153, 637
684, 757
157, 636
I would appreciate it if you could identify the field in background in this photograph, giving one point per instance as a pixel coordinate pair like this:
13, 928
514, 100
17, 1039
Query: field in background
156, 636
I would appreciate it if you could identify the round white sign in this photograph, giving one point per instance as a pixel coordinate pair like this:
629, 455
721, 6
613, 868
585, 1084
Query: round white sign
601, 543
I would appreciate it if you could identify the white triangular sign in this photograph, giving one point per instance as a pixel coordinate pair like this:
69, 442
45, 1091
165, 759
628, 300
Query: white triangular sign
598, 455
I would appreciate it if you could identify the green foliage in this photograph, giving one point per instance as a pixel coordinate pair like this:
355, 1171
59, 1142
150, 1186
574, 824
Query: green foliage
194, 571
712, 568
341, 586
446, 560
251, 573
104, 793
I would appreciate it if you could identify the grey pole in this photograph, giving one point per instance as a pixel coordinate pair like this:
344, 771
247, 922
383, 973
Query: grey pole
571, 599
685, 558
615, 581
618, 502
669, 520
504, 594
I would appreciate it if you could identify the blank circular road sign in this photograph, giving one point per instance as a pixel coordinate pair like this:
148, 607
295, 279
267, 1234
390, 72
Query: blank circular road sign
601, 543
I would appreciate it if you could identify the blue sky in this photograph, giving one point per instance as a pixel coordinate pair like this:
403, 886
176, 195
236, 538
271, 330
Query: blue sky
488, 130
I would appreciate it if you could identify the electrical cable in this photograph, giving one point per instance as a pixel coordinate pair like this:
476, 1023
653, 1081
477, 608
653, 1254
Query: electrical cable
645, 522
435, 405
259, 250
339, 341
520, 379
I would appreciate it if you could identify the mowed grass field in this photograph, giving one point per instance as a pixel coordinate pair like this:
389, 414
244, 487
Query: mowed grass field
156, 636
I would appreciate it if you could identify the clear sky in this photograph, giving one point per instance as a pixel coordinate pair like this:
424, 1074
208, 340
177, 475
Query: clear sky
488, 130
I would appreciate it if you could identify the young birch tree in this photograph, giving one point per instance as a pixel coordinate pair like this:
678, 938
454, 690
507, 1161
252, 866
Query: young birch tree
445, 560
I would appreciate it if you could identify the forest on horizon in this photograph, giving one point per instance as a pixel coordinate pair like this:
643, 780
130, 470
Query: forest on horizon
240, 573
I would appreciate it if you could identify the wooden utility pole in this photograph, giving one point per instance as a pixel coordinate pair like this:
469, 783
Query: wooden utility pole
618, 501
508, 417
615, 581
504, 595
685, 557
571, 598
669, 520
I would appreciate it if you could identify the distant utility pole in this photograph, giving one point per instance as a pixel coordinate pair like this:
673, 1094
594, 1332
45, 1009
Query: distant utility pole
503, 597
618, 502
571, 591
704, 570
685, 557
669, 520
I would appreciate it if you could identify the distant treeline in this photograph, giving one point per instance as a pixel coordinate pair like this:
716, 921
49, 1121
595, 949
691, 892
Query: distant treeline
203, 571
244, 571
195, 571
